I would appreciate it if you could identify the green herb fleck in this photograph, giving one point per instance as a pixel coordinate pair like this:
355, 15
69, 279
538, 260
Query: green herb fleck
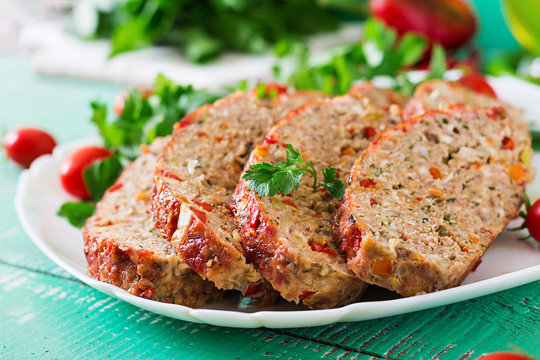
76, 212
441, 230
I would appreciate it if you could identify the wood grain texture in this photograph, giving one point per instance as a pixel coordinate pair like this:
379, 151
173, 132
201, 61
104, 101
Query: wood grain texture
47, 314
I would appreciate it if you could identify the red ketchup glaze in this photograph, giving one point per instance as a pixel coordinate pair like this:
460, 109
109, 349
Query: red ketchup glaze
305, 294
356, 239
322, 248
165, 173
166, 208
115, 187
206, 206
147, 294
254, 220
182, 124
201, 215
252, 290
195, 246
145, 253
475, 266
270, 139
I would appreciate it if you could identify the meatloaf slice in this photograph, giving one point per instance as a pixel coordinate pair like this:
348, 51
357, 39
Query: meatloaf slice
427, 198
196, 176
123, 248
443, 95
447, 96
289, 237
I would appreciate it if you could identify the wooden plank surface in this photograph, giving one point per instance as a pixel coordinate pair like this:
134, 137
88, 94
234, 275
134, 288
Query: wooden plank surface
47, 314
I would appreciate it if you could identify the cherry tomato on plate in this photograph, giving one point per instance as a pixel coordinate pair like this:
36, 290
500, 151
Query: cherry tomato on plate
504, 355
72, 169
478, 83
533, 220
449, 22
25, 145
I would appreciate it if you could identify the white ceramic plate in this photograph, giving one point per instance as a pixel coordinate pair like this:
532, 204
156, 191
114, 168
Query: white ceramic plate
506, 264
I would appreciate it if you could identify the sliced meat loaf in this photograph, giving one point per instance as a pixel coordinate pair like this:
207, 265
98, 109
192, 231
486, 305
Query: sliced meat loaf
123, 248
447, 95
196, 176
439, 94
427, 198
288, 237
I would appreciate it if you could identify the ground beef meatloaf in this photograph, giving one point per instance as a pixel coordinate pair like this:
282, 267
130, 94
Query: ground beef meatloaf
123, 248
288, 237
441, 95
196, 176
427, 198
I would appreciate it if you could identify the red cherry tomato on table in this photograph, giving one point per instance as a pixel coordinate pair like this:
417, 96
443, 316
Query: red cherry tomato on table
533, 220
504, 355
478, 83
448, 22
72, 169
27, 144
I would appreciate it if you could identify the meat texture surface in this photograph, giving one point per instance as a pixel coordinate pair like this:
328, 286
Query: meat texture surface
196, 176
123, 247
289, 237
428, 197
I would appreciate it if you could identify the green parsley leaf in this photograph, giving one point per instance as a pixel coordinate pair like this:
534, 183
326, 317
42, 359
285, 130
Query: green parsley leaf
535, 135
201, 47
147, 115
334, 186
76, 212
437, 63
102, 175
380, 52
283, 177
130, 35
205, 29
411, 48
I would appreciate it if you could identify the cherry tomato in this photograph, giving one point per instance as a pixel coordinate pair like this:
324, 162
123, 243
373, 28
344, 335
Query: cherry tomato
27, 144
478, 83
448, 22
533, 220
504, 355
72, 169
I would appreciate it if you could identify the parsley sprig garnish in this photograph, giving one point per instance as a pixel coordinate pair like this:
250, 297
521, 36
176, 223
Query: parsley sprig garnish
283, 177
143, 118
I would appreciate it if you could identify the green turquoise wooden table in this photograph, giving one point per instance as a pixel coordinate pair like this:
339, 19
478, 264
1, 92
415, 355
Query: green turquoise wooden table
45, 313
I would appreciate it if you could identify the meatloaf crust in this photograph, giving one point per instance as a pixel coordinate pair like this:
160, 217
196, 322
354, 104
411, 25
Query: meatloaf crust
196, 176
123, 248
427, 198
288, 237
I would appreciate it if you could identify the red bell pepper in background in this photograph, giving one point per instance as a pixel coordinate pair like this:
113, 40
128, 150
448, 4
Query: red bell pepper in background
451, 23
